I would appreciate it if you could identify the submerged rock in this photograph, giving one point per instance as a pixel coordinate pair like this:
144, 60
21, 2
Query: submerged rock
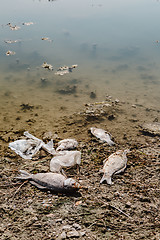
98, 110
93, 95
151, 128
68, 90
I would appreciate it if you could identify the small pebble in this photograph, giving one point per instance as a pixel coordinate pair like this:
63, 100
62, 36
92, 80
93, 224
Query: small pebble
62, 236
66, 227
82, 234
134, 106
73, 234
59, 220
77, 226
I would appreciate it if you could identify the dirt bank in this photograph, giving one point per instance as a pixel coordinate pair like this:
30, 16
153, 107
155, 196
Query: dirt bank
128, 209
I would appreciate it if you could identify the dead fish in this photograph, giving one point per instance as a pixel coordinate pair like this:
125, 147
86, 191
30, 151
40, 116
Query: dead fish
27, 23
65, 69
12, 41
102, 135
65, 159
67, 144
46, 146
53, 181
10, 53
15, 27
115, 163
46, 39
47, 66
26, 148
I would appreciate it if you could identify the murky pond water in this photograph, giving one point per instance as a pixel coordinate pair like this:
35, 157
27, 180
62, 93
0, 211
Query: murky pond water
116, 45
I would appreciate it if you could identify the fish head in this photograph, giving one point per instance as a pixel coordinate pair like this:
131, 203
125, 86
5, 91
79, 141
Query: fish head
71, 184
92, 129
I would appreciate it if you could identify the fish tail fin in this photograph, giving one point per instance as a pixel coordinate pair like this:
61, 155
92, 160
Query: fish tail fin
107, 179
24, 175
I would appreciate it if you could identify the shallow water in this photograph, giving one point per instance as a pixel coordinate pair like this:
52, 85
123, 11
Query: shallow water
115, 44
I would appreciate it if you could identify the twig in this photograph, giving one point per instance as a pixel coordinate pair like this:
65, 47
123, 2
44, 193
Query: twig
109, 205
10, 185
120, 211
19, 188
92, 224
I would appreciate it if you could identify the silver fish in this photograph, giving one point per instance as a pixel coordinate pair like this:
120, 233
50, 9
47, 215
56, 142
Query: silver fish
53, 181
67, 144
115, 163
65, 159
102, 135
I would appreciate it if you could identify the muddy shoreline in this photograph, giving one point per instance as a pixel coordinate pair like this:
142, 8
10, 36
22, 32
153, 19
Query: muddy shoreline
128, 209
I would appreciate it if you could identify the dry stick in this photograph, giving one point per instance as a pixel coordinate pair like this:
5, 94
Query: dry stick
120, 211
19, 188
10, 185
92, 224
115, 208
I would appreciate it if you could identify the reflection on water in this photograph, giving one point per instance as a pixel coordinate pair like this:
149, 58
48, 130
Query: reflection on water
115, 44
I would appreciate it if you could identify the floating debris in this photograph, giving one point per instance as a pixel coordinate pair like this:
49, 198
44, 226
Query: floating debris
53, 181
102, 135
67, 144
65, 69
10, 53
64, 159
151, 128
27, 23
115, 164
15, 27
12, 41
46, 39
47, 66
